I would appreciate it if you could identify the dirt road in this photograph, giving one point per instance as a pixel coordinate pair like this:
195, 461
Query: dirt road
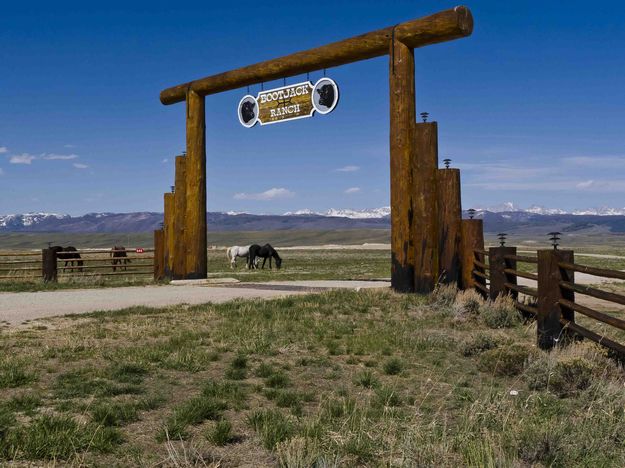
16, 308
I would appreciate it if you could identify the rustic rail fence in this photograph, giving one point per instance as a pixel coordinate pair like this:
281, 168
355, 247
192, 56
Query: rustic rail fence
552, 301
50, 265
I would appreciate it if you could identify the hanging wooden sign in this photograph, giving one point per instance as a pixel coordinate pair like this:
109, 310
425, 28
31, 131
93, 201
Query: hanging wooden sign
296, 101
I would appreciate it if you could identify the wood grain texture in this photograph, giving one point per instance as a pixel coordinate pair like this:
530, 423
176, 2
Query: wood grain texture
499, 279
159, 255
168, 228
180, 206
439, 27
49, 266
402, 158
195, 213
425, 207
550, 275
450, 229
472, 239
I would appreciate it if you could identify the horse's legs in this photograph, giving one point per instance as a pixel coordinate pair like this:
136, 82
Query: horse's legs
270, 263
264, 260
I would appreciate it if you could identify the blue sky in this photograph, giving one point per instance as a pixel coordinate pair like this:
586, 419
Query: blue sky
531, 107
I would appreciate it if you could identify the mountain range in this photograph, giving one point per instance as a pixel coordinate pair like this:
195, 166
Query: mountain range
506, 218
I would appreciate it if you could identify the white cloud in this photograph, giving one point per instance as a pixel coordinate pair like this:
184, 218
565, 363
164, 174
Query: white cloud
271, 194
4, 149
61, 157
23, 158
586, 184
352, 190
347, 169
80, 166
165, 160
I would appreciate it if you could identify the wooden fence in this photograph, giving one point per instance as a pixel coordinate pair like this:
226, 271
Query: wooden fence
552, 301
47, 265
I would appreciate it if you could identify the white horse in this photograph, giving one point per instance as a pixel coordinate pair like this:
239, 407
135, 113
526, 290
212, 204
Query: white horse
238, 251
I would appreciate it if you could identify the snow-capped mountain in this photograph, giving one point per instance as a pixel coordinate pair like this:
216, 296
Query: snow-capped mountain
369, 213
28, 219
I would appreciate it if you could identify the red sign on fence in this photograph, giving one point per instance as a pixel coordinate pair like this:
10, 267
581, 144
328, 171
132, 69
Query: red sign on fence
139, 250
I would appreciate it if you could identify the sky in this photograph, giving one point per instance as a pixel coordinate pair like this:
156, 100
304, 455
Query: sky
530, 107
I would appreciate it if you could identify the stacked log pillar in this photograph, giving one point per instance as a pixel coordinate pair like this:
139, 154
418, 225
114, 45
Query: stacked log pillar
498, 277
450, 228
195, 210
180, 202
472, 239
168, 229
49, 265
159, 255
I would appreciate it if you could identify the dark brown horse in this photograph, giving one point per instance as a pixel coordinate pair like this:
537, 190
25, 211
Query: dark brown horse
70, 255
265, 252
119, 257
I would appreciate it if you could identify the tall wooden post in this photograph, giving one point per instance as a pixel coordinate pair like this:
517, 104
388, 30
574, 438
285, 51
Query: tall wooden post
402, 154
450, 229
168, 228
159, 254
48, 266
426, 207
498, 276
472, 240
549, 328
195, 212
180, 204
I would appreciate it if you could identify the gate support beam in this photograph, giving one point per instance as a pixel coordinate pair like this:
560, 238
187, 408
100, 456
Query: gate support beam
472, 240
180, 203
402, 153
450, 225
195, 212
168, 229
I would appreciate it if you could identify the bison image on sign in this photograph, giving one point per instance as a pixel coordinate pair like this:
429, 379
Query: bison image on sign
296, 101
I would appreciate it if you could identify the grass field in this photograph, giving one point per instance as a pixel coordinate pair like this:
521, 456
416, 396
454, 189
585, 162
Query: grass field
337, 379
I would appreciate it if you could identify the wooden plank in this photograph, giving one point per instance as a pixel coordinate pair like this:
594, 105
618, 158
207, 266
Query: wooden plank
603, 272
526, 308
549, 328
180, 207
195, 173
521, 258
605, 318
522, 274
426, 215
402, 156
594, 292
168, 229
522, 289
472, 240
443, 26
600, 339
450, 230
159, 255
498, 277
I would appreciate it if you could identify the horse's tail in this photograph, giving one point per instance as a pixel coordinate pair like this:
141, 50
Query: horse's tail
228, 250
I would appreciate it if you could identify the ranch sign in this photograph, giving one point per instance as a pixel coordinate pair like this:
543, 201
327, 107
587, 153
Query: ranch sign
296, 101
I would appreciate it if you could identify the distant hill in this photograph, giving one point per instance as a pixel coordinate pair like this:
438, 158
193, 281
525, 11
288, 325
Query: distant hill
517, 222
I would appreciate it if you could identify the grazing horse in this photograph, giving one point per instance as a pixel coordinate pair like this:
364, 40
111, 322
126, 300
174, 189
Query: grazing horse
70, 255
119, 257
265, 252
238, 251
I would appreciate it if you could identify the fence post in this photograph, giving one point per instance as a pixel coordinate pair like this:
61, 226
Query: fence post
159, 255
472, 239
168, 229
48, 265
450, 225
549, 327
498, 277
180, 204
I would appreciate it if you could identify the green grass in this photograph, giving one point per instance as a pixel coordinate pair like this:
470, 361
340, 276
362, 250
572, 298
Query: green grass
409, 381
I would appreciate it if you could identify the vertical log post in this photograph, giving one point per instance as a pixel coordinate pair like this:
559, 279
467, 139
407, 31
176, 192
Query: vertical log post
180, 204
426, 207
549, 328
402, 154
498, 277
450, 228
472, 240
48, 266
195, 212
159, 255
168, 228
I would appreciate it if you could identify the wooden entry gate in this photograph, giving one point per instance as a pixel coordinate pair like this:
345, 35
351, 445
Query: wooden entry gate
417, 231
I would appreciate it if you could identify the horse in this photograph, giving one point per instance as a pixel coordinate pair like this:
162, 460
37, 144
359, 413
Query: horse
265, 252
237, 251
119, 257
70, 255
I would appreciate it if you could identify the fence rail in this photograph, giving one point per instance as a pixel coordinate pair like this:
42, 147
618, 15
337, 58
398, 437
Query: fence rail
552, 301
